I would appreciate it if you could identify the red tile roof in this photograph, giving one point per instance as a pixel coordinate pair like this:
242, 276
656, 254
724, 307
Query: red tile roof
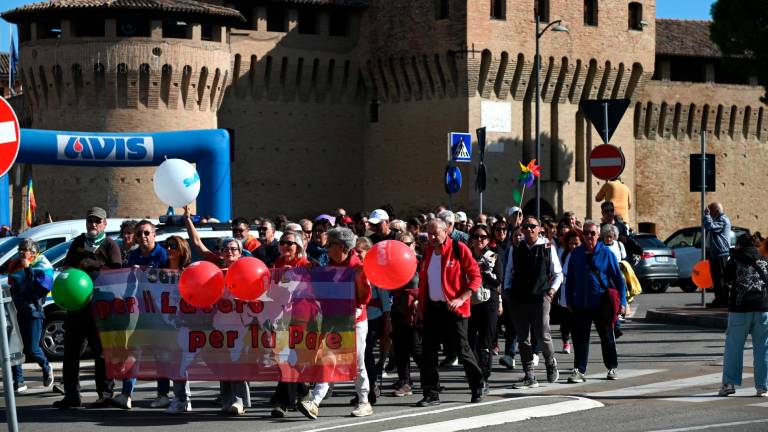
177, 6
686, 38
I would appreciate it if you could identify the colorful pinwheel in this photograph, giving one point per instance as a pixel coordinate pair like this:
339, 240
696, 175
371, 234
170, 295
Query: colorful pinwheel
528, 174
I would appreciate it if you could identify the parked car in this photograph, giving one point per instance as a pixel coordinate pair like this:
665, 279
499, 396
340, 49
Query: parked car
53, 329
654, 263
686, 243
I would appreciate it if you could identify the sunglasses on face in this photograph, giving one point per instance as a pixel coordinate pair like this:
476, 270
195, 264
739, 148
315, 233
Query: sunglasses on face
286, 243
590, 233
21, 251
263, 229
238, 230
606, 210
479, 237
173, 246
501, 229
93, 220
143, 233
529, 226
308, 232
408, 243
230, 249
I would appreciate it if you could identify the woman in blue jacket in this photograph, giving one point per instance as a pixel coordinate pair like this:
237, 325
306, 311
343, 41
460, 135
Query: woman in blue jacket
593, 270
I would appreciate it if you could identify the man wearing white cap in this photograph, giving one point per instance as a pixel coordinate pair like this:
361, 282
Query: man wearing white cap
461, 221
449, 218
379, 223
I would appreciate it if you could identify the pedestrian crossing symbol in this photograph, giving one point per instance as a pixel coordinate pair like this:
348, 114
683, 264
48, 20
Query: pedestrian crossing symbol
460, 146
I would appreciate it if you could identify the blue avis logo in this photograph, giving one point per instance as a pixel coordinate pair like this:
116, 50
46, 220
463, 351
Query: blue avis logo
104, 148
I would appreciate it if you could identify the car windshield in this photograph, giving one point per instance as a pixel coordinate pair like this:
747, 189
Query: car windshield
650, 242
57, 253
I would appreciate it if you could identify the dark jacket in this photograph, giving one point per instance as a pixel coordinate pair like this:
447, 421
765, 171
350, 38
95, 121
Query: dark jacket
106, 256
747, 273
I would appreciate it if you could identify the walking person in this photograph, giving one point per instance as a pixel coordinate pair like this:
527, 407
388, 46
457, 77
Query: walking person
449, 275
532, 278
747, 274
31, 279
485, 302
91, 251
718, 228
596, 293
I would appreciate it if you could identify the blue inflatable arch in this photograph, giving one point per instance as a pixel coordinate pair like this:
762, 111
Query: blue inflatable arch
208, 148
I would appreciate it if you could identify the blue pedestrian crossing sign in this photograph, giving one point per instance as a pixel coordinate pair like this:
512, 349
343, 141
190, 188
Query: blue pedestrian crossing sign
460, 146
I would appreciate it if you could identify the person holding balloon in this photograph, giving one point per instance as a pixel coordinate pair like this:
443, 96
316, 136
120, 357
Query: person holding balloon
89, 252
31, 278
341, 253
448, 278
235, 395
291, 256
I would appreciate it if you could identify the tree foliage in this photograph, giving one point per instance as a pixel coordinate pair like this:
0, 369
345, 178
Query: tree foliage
740, 30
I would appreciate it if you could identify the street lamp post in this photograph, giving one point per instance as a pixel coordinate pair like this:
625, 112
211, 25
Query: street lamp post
558, 27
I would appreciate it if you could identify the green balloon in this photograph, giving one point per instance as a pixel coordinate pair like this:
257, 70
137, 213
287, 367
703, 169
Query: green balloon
72, 289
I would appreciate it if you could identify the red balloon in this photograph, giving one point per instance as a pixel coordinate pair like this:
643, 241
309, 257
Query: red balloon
201, 284
248, 278
390, 264
701, 275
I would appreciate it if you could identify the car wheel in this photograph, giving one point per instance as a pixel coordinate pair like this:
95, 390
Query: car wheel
53, 336
654, 286
688, 286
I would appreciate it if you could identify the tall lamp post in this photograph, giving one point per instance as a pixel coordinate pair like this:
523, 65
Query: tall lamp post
558, 27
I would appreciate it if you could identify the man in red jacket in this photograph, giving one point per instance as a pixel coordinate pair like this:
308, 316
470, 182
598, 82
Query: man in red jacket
448, 277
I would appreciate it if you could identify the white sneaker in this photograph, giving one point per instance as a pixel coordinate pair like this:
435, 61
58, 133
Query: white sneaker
122, 401
178, 407
535, 360
236, 408
363, 410
160, 402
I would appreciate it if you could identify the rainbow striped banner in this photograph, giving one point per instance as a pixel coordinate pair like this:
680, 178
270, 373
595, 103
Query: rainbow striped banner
301, 330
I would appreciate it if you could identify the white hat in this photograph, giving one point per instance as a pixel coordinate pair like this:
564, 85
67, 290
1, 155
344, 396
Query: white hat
377, 216
513, 210
461, 216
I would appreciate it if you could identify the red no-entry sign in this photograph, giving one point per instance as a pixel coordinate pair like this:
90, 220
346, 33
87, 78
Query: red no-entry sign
606, 162
9, 136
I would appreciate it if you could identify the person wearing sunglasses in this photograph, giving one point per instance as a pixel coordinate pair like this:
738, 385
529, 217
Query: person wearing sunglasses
485, 302
91, 252
148, 254
406, 336
242, 232
127, 235
31, 278
532, 276
596, 293
572, 240
379, 223
316, 249
268, 251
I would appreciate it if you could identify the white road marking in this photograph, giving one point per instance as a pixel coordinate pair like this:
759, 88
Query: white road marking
623, 374
712, 396
516, 415
762, 405
712, 426
663, 386
461, 406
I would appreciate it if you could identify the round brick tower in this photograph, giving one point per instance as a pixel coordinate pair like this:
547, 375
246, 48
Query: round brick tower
119, 66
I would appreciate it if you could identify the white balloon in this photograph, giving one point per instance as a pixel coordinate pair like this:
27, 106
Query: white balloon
176, 182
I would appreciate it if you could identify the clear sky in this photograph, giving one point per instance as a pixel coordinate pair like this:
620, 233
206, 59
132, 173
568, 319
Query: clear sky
681, 9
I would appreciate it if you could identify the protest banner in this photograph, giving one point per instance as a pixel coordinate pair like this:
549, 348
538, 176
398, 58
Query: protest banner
301, 330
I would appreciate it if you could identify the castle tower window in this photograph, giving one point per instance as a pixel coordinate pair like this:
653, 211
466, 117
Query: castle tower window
276, 20
542, 8
25, 32
636, 16
176, 29
374, 110
590, 13
48, 29
498, 9
338, 23
132, 27
441, 9
88, 28
206, 31
307, 21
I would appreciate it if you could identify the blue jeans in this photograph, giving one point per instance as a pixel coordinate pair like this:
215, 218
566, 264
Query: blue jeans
163, 386
31, 330
740, 324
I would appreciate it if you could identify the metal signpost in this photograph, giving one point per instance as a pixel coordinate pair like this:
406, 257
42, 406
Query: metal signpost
10, 398
703, 204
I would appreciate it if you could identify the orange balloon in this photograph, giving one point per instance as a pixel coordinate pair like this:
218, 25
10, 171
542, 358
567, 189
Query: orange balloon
247, 278
201, 284
701, 275
390, 264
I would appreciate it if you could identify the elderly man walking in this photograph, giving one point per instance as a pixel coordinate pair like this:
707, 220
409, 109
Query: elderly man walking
448, 277
718, 227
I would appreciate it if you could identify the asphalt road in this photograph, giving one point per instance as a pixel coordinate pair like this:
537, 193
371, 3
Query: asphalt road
668, 377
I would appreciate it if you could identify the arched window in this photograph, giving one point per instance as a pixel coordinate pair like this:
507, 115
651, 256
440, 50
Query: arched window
590, 12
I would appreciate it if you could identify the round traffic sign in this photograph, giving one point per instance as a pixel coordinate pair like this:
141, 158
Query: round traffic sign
606, 162
452, 179
9, 136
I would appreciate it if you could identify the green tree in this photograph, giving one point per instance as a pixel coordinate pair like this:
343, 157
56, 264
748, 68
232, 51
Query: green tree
740, 30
